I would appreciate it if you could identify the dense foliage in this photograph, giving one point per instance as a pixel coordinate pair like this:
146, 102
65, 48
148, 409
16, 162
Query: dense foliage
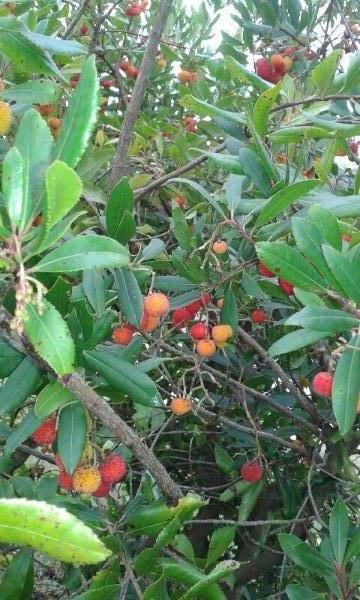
180, 299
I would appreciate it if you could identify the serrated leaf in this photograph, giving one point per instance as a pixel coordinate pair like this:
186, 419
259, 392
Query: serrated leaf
72, 435
254, 168
304, 555
204, 109
49, 529
327, 223
20, 384
239, 72
24, 53
346, 386
50, 336
284, 198
263, 107
345, 272
222, 569
317, 318
52, 397
9, 359
181, 229
63, 189
121, 201
12, 186
41, 91
233, 191
129, 296
84, 252
26, 427
220, 541
300, 592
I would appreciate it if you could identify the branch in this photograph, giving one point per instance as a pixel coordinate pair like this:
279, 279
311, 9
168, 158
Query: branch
180, 171
133, 108
76, 19
315, 99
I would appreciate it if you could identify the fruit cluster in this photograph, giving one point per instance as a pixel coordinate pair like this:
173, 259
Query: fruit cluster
129, 69
274, 69
186, 76
190, 124
156, 305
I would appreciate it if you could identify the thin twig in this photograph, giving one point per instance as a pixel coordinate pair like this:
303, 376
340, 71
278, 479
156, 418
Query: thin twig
315, 99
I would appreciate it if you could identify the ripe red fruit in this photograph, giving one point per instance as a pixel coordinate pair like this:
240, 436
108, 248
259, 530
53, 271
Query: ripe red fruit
277, 62
102, 491
107, 83
264, 68
275, 77
181, 316
113, 469
354, 146
258, 316
251, 471
46, 433
264, 271
286, 287
134, 11
65, 481
123, 335
322, 383
132, 72
199, 331
84, 29
124, 65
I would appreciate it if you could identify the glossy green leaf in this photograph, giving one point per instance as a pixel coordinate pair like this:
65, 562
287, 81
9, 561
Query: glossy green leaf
56, 45
121, 201
263, 107
181, 229
84, 252
80, 117
147, 559
317, 318
295, 340
12, 186
339, 524
201, 191
353, 548
41, 91
233, 191
323, 74
49, 529
188, 575
229, 311
220, 541
328, 224
346, 273
123, 376
255, 170
52, 397
63, 189
222, 569
300, 592
9, 359
18, 580
204, 109
346, 386
50, 336
25, 54
22, 382
304, 555
129, 296
72, 435
22, 432
294, 135
249, 500
352, 74
289, 264
284, 198
95, 289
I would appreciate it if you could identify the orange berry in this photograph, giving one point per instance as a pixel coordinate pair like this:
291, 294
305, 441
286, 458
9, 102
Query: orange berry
149, 323
184, 76
180, 201
277, 62
5, 118
45, 109
124, 65
220, 247
132, 72
206, 348
221, 333
54, 123
86, 480
123, 335
156, 304
180, 406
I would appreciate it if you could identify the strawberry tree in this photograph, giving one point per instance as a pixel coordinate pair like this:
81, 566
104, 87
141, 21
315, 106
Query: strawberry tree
179, 318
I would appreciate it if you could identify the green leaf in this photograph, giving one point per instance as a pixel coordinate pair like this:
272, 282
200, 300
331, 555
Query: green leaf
27, 426
346, 273
49, 529
17, 582
222, 569
120, 203
147, 559
233, 191
352, 74
50, 336
317, 318
52, 397
63, 189
229, 312
12, 186
294, 135
289, 264
157, 589
327, 223
219, 542
84, 252
80, 117
189, 575
284, 198
346, 386
56, 45
124, 377
339, 524
304, 555
239, 72
95, 289
295, 340
248, 500
9, 359
263, 107
72, 435
300, 592
41, 91
204, 109
223, 459
353, 548
182, 231
323, 74
129, 296
25, 54
22, 382
254, 169
202, 191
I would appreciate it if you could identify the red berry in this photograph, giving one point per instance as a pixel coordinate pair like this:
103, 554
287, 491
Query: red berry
286, 287
258, 316
84, 29
134, 11
107, 83
322, 383
113, 469
46, 433
264, 271
354, 146
251, 471
123, 335
65, 481
59, 463
264, 68
199, 331
102, 491
181, 316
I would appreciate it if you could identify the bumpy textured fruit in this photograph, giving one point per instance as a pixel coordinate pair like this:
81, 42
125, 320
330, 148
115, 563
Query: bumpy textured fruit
156, 304
277, 62
132, 72
199, 331
45, 109
54, 123
221, 333
206, 348
180, 316
251, 471
220, 247
134, 11
180, 406
86, 480
264, 271
102, 491
5, 118
149, 323
65, 481
113, 469
258, 316
124, 65
46, 433
123, 335
286, 287
264, 69
322, 383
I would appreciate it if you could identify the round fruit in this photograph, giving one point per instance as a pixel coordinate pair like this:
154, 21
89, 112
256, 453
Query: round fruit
251, 471
54, 123
123, 335
264, 68
220, 247
65, 481
354, 146
286, 287
184, 76
107, 83
124, 65
84, 29
258, 316
46, 433
134, 11
5, 118
277, 62
180, 406
132, 72
264, 271
180, 201
322, 383
149, 323
102, 491
181, 316
206, 348
86, 480
221, 333
113, 469
156, 304
45, 109
199, 331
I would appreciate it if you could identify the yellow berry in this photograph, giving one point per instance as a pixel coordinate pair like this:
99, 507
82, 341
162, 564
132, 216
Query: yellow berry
86, 480
180, 406
221, 333
5, 118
